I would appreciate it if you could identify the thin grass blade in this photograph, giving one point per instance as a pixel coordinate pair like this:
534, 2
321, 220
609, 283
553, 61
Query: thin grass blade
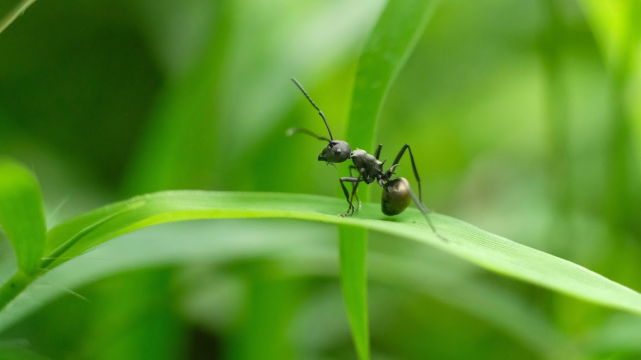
468, 242
388, 46
21, 214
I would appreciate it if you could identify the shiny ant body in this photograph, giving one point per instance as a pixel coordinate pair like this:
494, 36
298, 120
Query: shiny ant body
397, 193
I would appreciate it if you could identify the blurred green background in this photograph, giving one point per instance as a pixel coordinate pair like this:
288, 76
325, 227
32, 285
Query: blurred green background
520, 121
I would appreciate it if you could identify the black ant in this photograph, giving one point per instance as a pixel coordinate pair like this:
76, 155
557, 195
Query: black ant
397, 193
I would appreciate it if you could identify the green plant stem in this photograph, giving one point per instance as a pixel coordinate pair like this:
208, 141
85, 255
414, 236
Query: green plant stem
13, 14
18, 282
352, 248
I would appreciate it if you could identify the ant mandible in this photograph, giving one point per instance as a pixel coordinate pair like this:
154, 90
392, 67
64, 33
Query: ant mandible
397, 193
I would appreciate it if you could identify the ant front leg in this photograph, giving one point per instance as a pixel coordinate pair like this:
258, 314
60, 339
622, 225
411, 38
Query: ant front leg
350, 200
398, 158
354, 192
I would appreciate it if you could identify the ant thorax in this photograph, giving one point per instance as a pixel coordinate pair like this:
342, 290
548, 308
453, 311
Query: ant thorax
367, 165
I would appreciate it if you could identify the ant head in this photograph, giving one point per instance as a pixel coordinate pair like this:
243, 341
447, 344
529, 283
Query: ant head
336, 151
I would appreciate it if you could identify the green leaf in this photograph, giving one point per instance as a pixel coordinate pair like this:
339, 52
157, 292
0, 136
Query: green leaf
615, 25
22, 214
18, 10
388, 46
352, 248
466, 241
390, 42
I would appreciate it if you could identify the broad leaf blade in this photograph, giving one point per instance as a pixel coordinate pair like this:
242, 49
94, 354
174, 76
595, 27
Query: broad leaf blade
390, 42
21, 214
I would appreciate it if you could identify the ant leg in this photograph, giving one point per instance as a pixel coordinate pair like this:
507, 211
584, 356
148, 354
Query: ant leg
425, 211
351, 173
352, 199
378, 151
398, 158
355, 181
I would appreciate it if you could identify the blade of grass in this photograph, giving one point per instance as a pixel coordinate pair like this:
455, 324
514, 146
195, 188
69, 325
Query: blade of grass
18, 10
22, 214
615, 27
390, 43
388, 46
352, 249
466, 241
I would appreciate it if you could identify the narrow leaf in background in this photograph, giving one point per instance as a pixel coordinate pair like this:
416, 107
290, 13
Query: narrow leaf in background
388, 46
616, 29
21, 214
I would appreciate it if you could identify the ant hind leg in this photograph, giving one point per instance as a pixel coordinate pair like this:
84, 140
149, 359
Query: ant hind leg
398, 159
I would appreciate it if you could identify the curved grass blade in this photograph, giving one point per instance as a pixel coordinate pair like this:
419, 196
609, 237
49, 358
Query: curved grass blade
390, 42
466, 241
22, 214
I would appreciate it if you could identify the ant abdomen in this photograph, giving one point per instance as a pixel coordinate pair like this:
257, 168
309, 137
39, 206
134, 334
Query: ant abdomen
396, 196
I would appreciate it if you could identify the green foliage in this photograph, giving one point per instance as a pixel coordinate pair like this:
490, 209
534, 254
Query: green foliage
614, 25
470, 243
384, 54
21, 214
522, 119
352, 252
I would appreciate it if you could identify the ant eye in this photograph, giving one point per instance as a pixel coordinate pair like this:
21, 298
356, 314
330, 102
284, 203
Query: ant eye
339, 151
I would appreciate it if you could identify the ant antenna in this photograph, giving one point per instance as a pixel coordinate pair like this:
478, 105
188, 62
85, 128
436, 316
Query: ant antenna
315, 107
292, 131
